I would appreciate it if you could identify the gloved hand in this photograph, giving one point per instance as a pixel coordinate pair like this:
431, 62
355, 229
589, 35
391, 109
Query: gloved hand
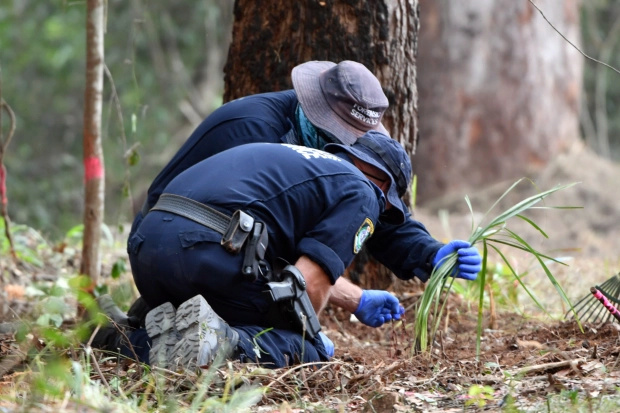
377, 306
468, 263
329, 346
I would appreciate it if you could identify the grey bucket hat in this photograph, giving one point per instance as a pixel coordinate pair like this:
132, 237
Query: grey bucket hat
345, 99
387, 154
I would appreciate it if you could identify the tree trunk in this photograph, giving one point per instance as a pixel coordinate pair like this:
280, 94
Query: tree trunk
93, 153
499, 91
271, 37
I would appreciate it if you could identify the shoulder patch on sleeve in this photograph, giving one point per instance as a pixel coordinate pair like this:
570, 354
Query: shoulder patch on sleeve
362, 234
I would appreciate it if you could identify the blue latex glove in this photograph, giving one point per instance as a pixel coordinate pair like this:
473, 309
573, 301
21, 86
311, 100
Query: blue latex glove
327, 343
377, 306
468, 263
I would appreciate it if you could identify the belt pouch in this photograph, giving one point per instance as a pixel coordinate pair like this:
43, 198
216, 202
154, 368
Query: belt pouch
240, 227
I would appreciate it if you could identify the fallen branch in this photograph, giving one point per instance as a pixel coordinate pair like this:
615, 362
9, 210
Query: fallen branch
547, 366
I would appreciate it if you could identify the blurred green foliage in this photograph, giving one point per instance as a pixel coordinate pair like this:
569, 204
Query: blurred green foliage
156, 54
160, 58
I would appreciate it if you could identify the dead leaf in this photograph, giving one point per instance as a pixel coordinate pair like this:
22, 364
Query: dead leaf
14, 291
528, 344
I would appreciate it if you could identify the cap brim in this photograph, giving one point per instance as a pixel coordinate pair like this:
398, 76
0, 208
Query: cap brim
316, 108
397, 214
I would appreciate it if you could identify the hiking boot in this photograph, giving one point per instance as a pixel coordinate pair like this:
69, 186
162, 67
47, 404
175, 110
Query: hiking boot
159, 324
137, 313
203, 334
110, 309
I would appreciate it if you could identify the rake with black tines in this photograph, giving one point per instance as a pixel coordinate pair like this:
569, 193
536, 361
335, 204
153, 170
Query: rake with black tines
599, 306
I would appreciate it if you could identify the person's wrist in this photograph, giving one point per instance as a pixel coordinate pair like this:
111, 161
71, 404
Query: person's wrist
360, 304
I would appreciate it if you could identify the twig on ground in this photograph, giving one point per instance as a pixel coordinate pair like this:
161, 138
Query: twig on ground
395, 365
547, 366
93, 359
291, 370
133, 352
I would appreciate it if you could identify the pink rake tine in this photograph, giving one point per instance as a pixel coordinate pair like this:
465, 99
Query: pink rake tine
606, 303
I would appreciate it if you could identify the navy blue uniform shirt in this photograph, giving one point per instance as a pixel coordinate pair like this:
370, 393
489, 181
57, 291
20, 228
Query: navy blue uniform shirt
312, 202
265, 117
407, 249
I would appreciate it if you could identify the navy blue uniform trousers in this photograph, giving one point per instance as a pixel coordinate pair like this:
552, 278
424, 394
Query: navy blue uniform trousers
197, 263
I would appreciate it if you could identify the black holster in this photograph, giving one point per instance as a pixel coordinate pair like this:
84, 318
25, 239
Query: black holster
291, 291
254, 257
244, 232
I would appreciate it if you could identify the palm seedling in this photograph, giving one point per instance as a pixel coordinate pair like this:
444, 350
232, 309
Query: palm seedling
489, 236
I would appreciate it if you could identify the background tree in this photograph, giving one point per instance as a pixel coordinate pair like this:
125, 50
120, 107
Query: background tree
164, 62
600, 117
93, 153
499, 91
278, 35
5, 140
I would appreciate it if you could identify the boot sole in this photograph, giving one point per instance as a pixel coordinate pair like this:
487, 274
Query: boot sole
203, 333
161, 329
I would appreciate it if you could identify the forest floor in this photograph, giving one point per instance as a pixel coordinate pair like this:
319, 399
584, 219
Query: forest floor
529, 360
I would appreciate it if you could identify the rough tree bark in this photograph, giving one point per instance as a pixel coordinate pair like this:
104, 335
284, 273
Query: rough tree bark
271, 37
499, 91
93, 153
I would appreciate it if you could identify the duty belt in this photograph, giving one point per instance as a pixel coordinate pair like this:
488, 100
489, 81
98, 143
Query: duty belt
237, 231
194, 210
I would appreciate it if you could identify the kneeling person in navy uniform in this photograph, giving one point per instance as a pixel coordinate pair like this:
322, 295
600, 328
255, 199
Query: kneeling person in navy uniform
226, 287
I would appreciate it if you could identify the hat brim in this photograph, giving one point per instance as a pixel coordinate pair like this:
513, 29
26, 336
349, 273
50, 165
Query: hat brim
397, 214
316, 108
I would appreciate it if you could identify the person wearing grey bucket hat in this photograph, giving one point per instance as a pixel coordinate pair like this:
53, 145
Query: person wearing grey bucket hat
329, 103
344, 99
399, 241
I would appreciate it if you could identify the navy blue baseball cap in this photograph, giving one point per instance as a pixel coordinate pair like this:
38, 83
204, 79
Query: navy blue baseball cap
387, 154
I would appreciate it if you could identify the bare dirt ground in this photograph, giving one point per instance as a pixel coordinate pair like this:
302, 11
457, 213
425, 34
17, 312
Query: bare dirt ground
526, 358
528, 355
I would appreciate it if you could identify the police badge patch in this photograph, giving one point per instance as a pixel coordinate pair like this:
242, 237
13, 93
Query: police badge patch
362, 234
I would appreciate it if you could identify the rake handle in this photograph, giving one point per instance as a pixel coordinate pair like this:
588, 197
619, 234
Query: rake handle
606, 303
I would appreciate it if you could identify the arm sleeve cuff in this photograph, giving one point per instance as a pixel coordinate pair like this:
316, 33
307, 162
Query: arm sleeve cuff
324, 256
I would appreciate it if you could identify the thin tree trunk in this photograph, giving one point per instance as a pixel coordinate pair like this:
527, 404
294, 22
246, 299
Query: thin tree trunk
4, 144
93, 153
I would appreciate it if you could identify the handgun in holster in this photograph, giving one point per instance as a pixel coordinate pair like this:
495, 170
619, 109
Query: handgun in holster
292, 287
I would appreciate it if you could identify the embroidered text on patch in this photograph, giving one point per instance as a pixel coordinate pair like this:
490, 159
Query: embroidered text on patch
362, 234
310, 153
365, 115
